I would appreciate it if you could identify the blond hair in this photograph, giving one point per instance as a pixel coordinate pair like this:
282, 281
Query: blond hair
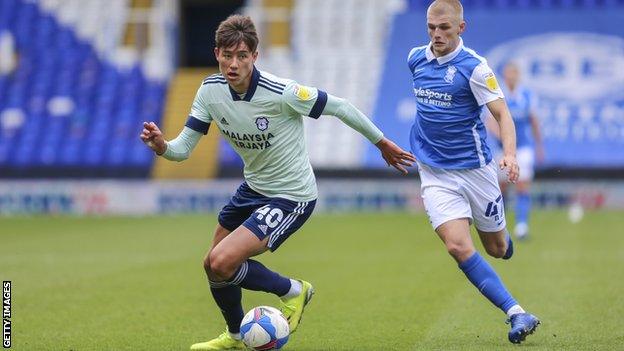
439, 7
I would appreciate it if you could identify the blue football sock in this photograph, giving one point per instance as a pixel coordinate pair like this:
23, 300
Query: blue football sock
510, 249
228, 298
483, 276
523, 206
253, 275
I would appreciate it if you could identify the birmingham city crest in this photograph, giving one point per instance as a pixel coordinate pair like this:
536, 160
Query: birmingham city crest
262, 123
450, 74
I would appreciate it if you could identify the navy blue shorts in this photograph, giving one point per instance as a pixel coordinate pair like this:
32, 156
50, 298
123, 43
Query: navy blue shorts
272, 217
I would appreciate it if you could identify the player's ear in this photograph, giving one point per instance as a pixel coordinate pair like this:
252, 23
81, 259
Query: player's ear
462, 27
216, 52
254, 56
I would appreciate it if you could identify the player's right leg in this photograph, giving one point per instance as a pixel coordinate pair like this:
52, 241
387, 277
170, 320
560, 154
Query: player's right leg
228, 299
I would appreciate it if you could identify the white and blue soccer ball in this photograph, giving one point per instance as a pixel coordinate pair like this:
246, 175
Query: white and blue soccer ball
264, 328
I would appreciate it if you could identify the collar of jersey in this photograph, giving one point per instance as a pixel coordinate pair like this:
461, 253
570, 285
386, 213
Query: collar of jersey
255, 77
446, 58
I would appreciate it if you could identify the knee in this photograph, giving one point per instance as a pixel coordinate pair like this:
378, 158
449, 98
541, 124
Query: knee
219, 264
206, 263
496, 250
459, 252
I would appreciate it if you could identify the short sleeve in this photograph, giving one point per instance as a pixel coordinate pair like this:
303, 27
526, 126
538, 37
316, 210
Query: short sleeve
410, 62
483, 85
305, 100
199, 118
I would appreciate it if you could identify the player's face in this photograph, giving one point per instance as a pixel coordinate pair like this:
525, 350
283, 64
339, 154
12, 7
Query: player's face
444, 30
236, 64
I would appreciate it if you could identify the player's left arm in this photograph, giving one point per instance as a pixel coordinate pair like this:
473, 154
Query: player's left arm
487, 92
501, 114
314, 103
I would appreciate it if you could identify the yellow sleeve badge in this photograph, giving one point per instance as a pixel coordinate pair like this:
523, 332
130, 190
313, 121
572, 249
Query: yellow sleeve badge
302, 92
490, 81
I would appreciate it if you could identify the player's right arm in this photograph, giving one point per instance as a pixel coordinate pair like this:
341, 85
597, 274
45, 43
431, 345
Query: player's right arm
180, 148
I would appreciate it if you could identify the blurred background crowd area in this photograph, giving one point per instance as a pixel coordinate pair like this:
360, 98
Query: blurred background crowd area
78, 78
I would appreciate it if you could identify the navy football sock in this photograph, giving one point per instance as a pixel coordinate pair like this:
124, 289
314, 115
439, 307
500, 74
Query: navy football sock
228, 298
253, 275
483, 276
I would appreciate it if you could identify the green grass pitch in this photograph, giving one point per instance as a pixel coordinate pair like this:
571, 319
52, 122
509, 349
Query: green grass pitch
383, 282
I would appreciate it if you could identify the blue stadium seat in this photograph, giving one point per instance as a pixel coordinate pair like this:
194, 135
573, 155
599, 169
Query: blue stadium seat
108, 102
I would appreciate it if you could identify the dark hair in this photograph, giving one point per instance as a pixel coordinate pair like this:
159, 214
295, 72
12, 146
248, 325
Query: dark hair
236, 29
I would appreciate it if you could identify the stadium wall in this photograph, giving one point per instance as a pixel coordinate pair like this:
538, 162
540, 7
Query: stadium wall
336, 196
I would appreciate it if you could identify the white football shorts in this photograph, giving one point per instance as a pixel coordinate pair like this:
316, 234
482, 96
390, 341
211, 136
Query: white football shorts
463, 193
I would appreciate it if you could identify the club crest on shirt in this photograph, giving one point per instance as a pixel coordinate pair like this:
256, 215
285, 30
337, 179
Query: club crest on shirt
450, 74
262, 123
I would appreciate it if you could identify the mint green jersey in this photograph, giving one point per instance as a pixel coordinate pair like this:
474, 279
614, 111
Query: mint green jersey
265, 127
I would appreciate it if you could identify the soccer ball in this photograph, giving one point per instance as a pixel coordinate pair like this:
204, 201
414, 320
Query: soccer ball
264, 328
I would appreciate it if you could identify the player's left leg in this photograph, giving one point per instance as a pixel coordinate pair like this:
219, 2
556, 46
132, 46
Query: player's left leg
497, 244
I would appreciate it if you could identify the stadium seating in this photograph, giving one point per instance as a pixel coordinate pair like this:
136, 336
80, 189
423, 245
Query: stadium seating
419, 5
73, 104
68, 109
338, 47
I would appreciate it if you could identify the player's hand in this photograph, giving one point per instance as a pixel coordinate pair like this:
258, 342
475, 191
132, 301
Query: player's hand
153, 137
511, 165
395, 156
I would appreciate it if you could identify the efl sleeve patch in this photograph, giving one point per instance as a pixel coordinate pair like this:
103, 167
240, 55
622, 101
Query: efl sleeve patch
302, 92
490, 81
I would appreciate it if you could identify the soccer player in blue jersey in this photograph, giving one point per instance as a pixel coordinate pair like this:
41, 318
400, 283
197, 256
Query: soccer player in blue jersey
458, 178
260, 115
522, 105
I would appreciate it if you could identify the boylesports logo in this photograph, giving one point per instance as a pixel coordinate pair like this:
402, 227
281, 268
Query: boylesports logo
432, 97
262, 123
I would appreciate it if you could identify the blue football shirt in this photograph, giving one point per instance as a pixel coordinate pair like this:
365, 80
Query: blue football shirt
450, 92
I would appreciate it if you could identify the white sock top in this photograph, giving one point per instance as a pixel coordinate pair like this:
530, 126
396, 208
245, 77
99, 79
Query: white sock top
295, 289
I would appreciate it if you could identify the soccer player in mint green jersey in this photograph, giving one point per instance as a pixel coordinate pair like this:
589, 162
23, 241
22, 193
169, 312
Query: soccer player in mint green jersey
459, 184
261, 116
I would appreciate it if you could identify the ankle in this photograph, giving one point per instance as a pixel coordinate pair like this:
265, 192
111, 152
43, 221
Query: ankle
295, 289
